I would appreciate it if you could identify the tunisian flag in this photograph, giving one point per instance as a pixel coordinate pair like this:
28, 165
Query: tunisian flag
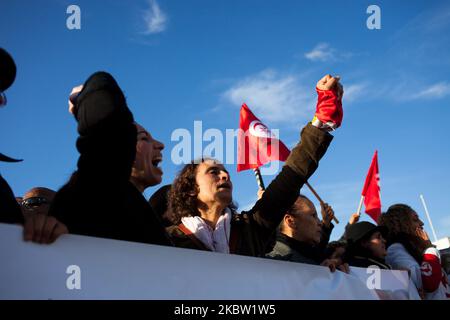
371, 190
257, 145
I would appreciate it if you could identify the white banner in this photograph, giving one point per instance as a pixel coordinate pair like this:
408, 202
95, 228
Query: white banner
78, 267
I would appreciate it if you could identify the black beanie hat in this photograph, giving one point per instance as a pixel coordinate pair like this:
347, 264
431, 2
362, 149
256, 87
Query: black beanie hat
361, 230
100, 96
7, 70
107, 133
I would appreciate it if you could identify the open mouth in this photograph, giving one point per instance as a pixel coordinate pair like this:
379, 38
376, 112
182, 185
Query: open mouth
157, 161
225, 185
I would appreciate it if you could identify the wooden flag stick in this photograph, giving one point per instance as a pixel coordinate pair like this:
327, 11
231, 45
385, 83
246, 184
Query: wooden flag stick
318, 198
259, 179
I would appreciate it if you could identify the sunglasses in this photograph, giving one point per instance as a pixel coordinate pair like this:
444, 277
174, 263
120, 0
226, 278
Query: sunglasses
34, 202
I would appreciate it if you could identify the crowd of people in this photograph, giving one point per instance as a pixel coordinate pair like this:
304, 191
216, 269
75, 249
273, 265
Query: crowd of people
119, 159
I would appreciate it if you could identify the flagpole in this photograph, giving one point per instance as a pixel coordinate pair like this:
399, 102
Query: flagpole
259, 179
360, 205
318, 198
428, 216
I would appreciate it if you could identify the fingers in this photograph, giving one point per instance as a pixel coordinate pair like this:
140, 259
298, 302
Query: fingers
59, 230
325, 79
43, 229
47, 229
354, 218
331, 83
327, 211
73, 95
344, 267
328, 82
39, 222
260, 193
330, 263
321, 84
28, 228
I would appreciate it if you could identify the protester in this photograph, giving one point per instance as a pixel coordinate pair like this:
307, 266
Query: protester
10, 211
201, 194
327, 213
299, 235
99, 199
145, 171
366, 246
409, 248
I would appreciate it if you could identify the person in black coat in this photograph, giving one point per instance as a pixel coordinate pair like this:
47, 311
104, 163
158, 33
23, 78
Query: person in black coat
9, 208
99, 200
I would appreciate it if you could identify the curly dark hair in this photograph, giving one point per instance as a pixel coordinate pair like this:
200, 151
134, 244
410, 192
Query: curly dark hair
183, 194
398, 220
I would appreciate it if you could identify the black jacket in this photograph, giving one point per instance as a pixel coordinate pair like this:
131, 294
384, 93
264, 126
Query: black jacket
289, 249
99, 200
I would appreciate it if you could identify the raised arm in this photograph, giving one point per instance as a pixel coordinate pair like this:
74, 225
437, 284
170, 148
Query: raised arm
304, 158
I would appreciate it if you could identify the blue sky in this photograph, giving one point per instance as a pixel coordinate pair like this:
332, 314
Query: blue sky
182, 61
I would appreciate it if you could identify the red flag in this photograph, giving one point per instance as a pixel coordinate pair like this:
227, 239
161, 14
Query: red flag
371, 190
257, 145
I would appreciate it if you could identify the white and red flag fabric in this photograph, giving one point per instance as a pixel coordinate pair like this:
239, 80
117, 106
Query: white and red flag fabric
257, 145
371, 190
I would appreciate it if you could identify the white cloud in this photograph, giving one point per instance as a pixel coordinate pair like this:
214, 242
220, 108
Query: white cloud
155, 19
437, 90
273, 97
353, 91
324, 52
321, 52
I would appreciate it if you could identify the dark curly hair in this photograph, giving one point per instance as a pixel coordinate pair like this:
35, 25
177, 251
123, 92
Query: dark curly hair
183, 194
398, 220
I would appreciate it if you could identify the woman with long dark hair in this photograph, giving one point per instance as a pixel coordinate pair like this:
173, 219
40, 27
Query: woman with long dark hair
409, 248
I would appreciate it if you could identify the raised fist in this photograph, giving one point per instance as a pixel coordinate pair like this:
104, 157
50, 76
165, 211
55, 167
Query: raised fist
72, 98
329, 112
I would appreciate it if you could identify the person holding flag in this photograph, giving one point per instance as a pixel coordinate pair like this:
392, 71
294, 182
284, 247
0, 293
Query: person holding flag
201, 195
370, 194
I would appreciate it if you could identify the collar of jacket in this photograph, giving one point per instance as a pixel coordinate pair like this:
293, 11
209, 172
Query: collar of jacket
377, 262
306, 250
